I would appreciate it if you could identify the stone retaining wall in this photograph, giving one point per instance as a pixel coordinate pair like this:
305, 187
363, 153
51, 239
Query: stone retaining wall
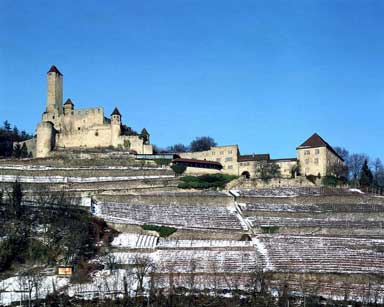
323, 199
216, 199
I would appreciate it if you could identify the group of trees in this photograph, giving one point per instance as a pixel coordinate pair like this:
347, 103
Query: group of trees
51, 229
8, 136
360, 169
198, 144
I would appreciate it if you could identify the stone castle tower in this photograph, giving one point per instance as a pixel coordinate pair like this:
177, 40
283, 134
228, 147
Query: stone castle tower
54, 91
63, 126
45, 140
115, 126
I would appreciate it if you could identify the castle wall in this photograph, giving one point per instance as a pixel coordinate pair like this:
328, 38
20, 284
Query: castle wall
226, 155
286, 168
331, 159
96, 136
148, 149
313, 161
75, 120
45, 139
248, 166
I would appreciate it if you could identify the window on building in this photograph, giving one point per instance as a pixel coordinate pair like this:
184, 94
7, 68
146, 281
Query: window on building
317, 160
228, 159
230, 167
229, 152
218, 159
213, 153
221, 152
306, 161
317, 151
307, 152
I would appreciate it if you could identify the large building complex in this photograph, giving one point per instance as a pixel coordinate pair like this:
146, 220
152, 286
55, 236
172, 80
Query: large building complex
64, 127
314, 157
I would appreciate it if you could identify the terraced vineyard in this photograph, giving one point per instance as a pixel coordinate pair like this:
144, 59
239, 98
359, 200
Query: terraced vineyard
306, 240
182, 216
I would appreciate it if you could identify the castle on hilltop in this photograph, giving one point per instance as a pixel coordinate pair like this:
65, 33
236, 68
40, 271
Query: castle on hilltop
62, 126
313, 157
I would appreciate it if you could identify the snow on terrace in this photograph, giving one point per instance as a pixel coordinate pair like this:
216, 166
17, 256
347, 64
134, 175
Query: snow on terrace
186, 244
133, 240
180, 216
105, 283
200, 261
279, 192
313, 208
14, 288
62, 179
267, 221
50, 168
263, 252
324, 254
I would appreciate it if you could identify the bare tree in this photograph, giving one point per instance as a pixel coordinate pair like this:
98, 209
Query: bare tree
191, 281
303, 288
25, 282
338, 169
257, 280
178, 148
215, 274
37, 282
111, 262
378, 172
143, 267
342, 152
355, 164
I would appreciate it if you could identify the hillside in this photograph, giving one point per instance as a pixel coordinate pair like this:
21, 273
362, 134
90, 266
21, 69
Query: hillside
284, 244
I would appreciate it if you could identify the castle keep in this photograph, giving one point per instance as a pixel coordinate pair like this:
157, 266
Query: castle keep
62, 126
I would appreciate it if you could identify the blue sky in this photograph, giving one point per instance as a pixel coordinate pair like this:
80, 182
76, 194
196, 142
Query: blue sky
261, 74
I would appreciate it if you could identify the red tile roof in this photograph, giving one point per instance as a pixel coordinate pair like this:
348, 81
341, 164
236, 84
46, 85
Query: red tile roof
196, 161
258, 157
284, 159
54, 69
317, 141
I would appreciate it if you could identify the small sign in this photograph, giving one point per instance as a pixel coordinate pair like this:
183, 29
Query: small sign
65, 271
